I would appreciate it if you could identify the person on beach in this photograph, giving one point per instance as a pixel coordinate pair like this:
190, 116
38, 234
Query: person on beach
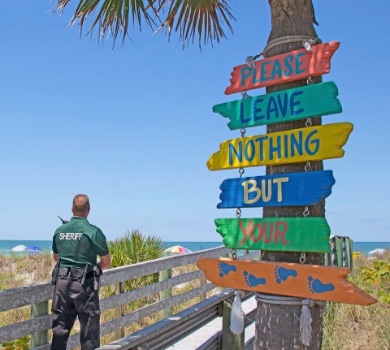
76, 245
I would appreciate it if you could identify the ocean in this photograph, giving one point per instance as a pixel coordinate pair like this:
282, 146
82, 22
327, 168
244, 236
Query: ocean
7, 245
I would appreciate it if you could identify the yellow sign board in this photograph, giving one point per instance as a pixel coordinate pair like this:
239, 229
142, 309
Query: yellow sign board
291, 146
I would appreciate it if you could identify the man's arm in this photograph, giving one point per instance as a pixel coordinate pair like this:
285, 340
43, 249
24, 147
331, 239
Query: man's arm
55, 256
105, 261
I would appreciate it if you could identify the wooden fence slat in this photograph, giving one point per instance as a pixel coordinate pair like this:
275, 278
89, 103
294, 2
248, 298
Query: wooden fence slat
166, 293
121, 274
139, 314
37, 310
128, 297
120, 310
18, 297
20, 329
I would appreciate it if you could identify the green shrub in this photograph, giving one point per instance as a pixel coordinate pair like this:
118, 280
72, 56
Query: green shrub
132, 248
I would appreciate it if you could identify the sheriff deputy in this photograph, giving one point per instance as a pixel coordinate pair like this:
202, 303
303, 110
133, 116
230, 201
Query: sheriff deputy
76, 246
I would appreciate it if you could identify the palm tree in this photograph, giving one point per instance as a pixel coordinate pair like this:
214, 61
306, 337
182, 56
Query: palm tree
277, 326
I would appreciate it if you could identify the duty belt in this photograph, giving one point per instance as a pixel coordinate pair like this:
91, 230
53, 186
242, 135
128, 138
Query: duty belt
77, 274
74, 273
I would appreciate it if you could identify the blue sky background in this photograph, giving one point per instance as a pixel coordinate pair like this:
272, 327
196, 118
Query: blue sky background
133, 127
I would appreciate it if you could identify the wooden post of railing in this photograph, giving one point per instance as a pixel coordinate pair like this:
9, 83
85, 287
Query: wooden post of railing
230, 340
37, 310
339, 251
327, 259
165, 294
120, 310
349, 249
202, 282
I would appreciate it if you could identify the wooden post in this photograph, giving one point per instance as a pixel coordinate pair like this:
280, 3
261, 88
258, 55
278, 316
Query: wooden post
120, 310
339, 251
333, 258
230, 340
327, 259
37, 310
165, 294
202, 282
349, 250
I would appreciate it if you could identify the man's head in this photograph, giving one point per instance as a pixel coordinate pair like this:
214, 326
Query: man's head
81, 205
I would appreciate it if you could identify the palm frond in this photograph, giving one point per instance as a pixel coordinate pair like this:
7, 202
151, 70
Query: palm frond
113, 16
202, 18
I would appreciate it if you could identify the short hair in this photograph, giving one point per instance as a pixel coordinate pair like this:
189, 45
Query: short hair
80, 204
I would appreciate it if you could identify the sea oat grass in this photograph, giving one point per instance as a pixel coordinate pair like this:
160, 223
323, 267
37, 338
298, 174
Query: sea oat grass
355, 327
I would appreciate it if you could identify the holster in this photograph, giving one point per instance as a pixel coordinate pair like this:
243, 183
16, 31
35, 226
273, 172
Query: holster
97, 271
54, 274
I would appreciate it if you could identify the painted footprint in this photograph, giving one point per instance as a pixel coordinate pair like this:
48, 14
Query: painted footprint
253, 281
225, 268
316, 286
281, 274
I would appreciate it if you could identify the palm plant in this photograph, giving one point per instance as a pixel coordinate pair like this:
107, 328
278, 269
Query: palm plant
134, 247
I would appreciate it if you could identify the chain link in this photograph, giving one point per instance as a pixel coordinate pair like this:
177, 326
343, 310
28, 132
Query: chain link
302, 258
234, 254
244, 94
306, 212
308, 123
309, 81
241, 171
238, 213
307, 166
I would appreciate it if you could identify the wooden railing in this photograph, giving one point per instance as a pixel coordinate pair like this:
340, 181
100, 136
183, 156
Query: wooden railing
165, 331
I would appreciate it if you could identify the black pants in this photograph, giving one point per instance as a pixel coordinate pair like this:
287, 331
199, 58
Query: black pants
70, 300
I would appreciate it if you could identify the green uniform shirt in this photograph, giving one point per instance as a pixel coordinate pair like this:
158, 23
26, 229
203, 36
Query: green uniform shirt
79, 243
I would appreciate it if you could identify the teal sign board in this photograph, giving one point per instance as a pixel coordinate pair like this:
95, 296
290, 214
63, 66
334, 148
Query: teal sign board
282, 106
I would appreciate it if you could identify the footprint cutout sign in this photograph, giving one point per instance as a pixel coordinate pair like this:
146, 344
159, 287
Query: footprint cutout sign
252, 280
327, 283
282, 273
225, 268
316, 286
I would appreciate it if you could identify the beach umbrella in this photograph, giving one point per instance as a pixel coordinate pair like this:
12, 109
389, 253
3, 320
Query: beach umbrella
19, 248
377, 251
177, 249
33, 249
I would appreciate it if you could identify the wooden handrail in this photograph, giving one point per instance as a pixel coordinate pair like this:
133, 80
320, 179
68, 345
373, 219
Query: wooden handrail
41, 294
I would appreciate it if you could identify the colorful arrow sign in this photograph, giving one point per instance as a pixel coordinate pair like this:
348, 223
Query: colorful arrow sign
291, 146
310, 234
282, 106
299, 280
290, 66
290, 189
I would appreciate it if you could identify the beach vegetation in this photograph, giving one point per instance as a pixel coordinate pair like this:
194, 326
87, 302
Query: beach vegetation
18, 344
134, 247
355, 327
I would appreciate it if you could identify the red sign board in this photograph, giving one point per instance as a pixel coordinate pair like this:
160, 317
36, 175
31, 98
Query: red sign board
290, 66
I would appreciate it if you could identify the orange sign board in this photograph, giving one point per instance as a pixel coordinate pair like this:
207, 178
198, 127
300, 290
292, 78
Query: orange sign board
317, 282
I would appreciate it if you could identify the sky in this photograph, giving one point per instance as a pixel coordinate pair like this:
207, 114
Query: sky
132, 126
